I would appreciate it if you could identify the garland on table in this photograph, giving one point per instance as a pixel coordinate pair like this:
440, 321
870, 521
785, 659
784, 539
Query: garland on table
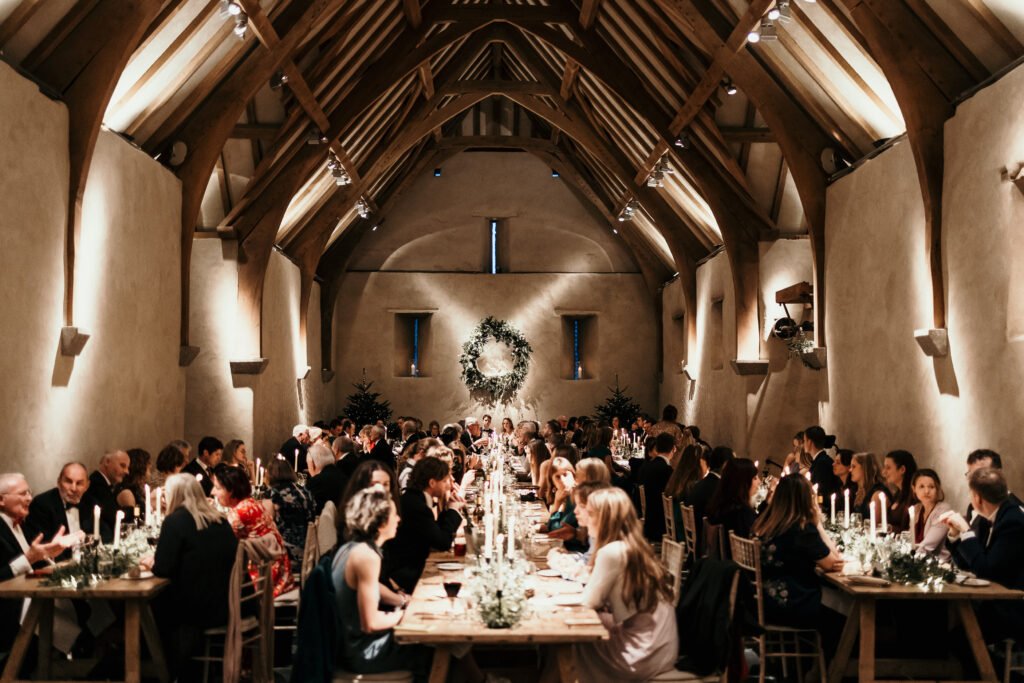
918, 569
96, 562
495, 388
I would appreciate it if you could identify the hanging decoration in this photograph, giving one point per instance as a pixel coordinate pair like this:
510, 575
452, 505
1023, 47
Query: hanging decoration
500, 388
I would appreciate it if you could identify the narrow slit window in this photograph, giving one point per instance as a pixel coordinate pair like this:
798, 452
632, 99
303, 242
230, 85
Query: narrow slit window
494, 246
415, 347
577, 366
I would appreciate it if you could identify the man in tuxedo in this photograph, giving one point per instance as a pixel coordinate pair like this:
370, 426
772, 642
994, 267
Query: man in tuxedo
653, 476
112, 470
420, 531
1000, 558
294, 449
822, 475
376, 447
346, 455
67, 506
472, 436
702, 492
22, 547
977, 460
211, 450
327, 480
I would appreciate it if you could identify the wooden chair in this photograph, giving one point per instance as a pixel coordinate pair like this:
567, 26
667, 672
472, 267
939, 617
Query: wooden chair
327, 529
256, 596
690, 529
1014, 660
667, 506
713, 545
643, 504
388, 677
747, 554
673, 554
311, 550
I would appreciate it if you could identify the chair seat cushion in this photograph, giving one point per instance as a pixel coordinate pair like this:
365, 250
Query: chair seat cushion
387, 677
289, 598
248, 624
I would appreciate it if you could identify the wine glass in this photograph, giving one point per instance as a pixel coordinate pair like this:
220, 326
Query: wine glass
452, 588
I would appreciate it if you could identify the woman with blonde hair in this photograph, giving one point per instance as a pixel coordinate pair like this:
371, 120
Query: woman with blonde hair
537, 454
866, 474
632, 592
593, 470
792, 547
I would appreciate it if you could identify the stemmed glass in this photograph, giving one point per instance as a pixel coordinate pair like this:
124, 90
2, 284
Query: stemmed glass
452, 586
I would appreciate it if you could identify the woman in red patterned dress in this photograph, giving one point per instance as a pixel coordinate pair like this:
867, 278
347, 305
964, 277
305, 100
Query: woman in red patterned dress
251, 519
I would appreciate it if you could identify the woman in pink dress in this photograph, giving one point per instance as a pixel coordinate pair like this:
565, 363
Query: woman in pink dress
251, 519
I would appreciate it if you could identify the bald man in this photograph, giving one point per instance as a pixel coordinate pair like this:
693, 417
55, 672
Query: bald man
111, 472
68, 505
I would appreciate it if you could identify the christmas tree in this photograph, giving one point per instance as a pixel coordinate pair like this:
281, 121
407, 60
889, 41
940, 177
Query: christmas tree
365, 407
618, 405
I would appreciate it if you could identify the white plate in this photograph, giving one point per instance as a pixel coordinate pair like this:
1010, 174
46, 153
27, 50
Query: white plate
450, 566
977, 583
142, 575
568, 600
551, 573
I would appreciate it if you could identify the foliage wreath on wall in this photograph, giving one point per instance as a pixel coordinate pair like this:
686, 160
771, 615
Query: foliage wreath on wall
495, 388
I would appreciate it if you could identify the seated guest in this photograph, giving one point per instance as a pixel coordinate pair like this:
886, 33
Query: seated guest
704, 490
537, 454
841, 468
817, 442
434, 429
112, 469
668, 423
170, 460
295, 447
68, 507
196, 552
326, 481
594, 471
976, 460
22, 548
686, 473
561, 481
346, 455
865, 473
731, 505
797, 461
369, 473
654, 476
236, 455
633, 592
929, 532
791, 548
293, 507
251, 519
416, 451
420, 531
600, 446
1000, 558
585, 540
898, 470
210, 452
376, 447
131, 496
367, 642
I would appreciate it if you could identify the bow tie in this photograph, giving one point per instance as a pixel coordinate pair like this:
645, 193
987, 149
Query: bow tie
68, 506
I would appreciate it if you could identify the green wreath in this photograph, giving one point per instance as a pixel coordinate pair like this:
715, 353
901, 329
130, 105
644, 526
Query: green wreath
495, 388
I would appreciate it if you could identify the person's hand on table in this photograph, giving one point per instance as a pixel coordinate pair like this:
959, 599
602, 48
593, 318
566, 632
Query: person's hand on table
956, 523
42, 550
563, 533
146, 563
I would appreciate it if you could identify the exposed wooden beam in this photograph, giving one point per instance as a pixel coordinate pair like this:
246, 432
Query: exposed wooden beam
17, 19
996, 28
534, 14
747, 134
413, 13
256, 131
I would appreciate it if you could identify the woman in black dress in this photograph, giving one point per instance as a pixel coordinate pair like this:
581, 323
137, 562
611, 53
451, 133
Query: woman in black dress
731, 506
792, 547
294, 509
864, 472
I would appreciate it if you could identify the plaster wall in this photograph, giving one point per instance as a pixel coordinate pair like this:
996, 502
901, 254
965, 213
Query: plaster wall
884, 393
125, 389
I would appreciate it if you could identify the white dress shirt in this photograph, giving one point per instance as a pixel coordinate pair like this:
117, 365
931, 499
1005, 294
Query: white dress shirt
74, 519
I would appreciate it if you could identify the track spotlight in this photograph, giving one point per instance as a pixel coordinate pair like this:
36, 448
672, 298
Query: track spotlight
362, 208
754, 37
682, 142
278, 80
241, 25
774, 13
768, 29
728, 86
784, 10
232, 8
629, 210
338, 172
615, 230
314, 136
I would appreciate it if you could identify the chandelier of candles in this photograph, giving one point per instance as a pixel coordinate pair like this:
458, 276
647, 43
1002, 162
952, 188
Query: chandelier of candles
661, 169
629, 210
362, 208
234, 10
782, 12
337, 170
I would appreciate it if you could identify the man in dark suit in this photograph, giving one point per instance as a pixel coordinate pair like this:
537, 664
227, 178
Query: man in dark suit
211, 450
377, 447
976, 460
102, 482
702, 492
1000, 558
653, 476
419, 532
22, 547
822, 474
327, 480
68, 506
294, 449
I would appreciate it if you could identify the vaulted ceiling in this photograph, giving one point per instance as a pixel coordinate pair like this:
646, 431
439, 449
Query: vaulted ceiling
264, 109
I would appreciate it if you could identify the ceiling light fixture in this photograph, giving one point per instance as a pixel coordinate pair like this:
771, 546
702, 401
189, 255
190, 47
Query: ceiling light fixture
241, 25
338, 172
232, 8
785, 11
682, 141
628, 210
754, 37
768, 29
729, 87
437, 172
314, 136
362, 208
278, 80
774, 13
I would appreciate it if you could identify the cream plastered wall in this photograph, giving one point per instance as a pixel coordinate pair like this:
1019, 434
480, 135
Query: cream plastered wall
125, 389
883, 392
428, 255
259, 409
755, 415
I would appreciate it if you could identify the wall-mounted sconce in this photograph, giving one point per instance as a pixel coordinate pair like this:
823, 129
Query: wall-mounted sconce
1018, 178
72, 340
691, 373
934, 342
187, 354
250, 366
326, 375
305, 375
750, 367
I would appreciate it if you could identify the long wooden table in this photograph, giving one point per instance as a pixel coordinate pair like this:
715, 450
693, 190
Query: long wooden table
428, 619
858, 602
134, 593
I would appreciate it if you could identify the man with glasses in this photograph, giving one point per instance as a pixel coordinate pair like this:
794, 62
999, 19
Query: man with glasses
21, 548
